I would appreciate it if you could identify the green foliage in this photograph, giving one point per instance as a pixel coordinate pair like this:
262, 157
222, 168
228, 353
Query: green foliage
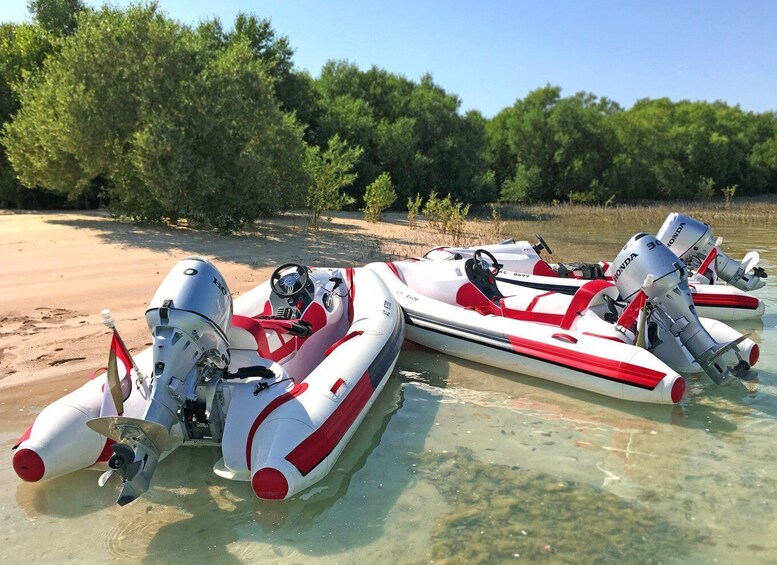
379, 196
728, 194
413, 208
292, 89
412, 130
547, 147
584, 149
56, 16
330, 171
166, 121
433, 210
23, 48
705, 189
445, 215
177, 130
496, 219
762, 166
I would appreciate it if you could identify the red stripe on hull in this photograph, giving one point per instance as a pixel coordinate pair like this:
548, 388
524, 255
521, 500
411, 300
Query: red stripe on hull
107, 451
592, 364
278, 401
396, 272
315, 448
24, 437
725, 301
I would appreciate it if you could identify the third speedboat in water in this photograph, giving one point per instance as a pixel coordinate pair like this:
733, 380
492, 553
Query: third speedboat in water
690, 240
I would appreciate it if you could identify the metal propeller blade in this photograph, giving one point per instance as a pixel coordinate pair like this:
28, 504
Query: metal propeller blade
104, 477
750, 261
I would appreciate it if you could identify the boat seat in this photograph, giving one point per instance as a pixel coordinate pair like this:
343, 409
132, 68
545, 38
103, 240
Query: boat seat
276, 338
479, 293
555, 308
535, 306
587, 271
484, 282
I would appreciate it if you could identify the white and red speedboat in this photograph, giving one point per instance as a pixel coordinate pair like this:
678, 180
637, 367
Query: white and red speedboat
591, 339
691, 240
280, 385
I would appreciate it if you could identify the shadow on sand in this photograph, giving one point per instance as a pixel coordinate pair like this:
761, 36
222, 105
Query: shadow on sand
273, 241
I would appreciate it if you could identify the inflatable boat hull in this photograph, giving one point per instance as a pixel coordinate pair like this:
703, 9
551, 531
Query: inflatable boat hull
604, 366
281, 434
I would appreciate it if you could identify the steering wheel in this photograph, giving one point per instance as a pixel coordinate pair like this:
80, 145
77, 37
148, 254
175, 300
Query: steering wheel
541, 245
478, 262
289, 280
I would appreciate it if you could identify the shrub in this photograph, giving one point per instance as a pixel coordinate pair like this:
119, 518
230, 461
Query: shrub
705, 189
413, 207
445, 215
433, 211
378, 196
330, 172
728, 194
496, 219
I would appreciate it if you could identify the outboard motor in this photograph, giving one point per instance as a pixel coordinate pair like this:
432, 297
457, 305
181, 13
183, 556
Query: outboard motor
692, 241
645, 264
189, 317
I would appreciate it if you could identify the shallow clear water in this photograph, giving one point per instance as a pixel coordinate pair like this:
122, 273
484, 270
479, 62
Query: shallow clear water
460, 462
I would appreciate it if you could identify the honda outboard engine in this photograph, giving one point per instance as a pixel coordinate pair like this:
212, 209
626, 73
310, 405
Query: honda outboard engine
645, 264
189, 317
692, 241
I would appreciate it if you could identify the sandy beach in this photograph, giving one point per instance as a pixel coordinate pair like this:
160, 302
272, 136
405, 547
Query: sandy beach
60, 269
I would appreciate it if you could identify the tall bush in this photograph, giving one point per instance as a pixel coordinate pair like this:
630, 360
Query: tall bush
413, 208
171, 128
379, 196
330, 172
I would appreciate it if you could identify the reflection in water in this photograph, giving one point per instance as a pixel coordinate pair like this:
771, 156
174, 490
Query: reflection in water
66, 497
452, 449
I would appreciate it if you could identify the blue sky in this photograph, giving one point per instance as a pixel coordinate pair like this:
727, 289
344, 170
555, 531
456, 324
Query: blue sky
491, 52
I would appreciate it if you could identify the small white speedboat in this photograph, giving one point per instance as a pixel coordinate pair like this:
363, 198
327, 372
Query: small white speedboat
689, 239
280, 384
591, 339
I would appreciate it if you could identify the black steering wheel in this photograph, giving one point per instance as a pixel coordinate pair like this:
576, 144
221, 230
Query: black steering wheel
541, 245
289, 280
478, 262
